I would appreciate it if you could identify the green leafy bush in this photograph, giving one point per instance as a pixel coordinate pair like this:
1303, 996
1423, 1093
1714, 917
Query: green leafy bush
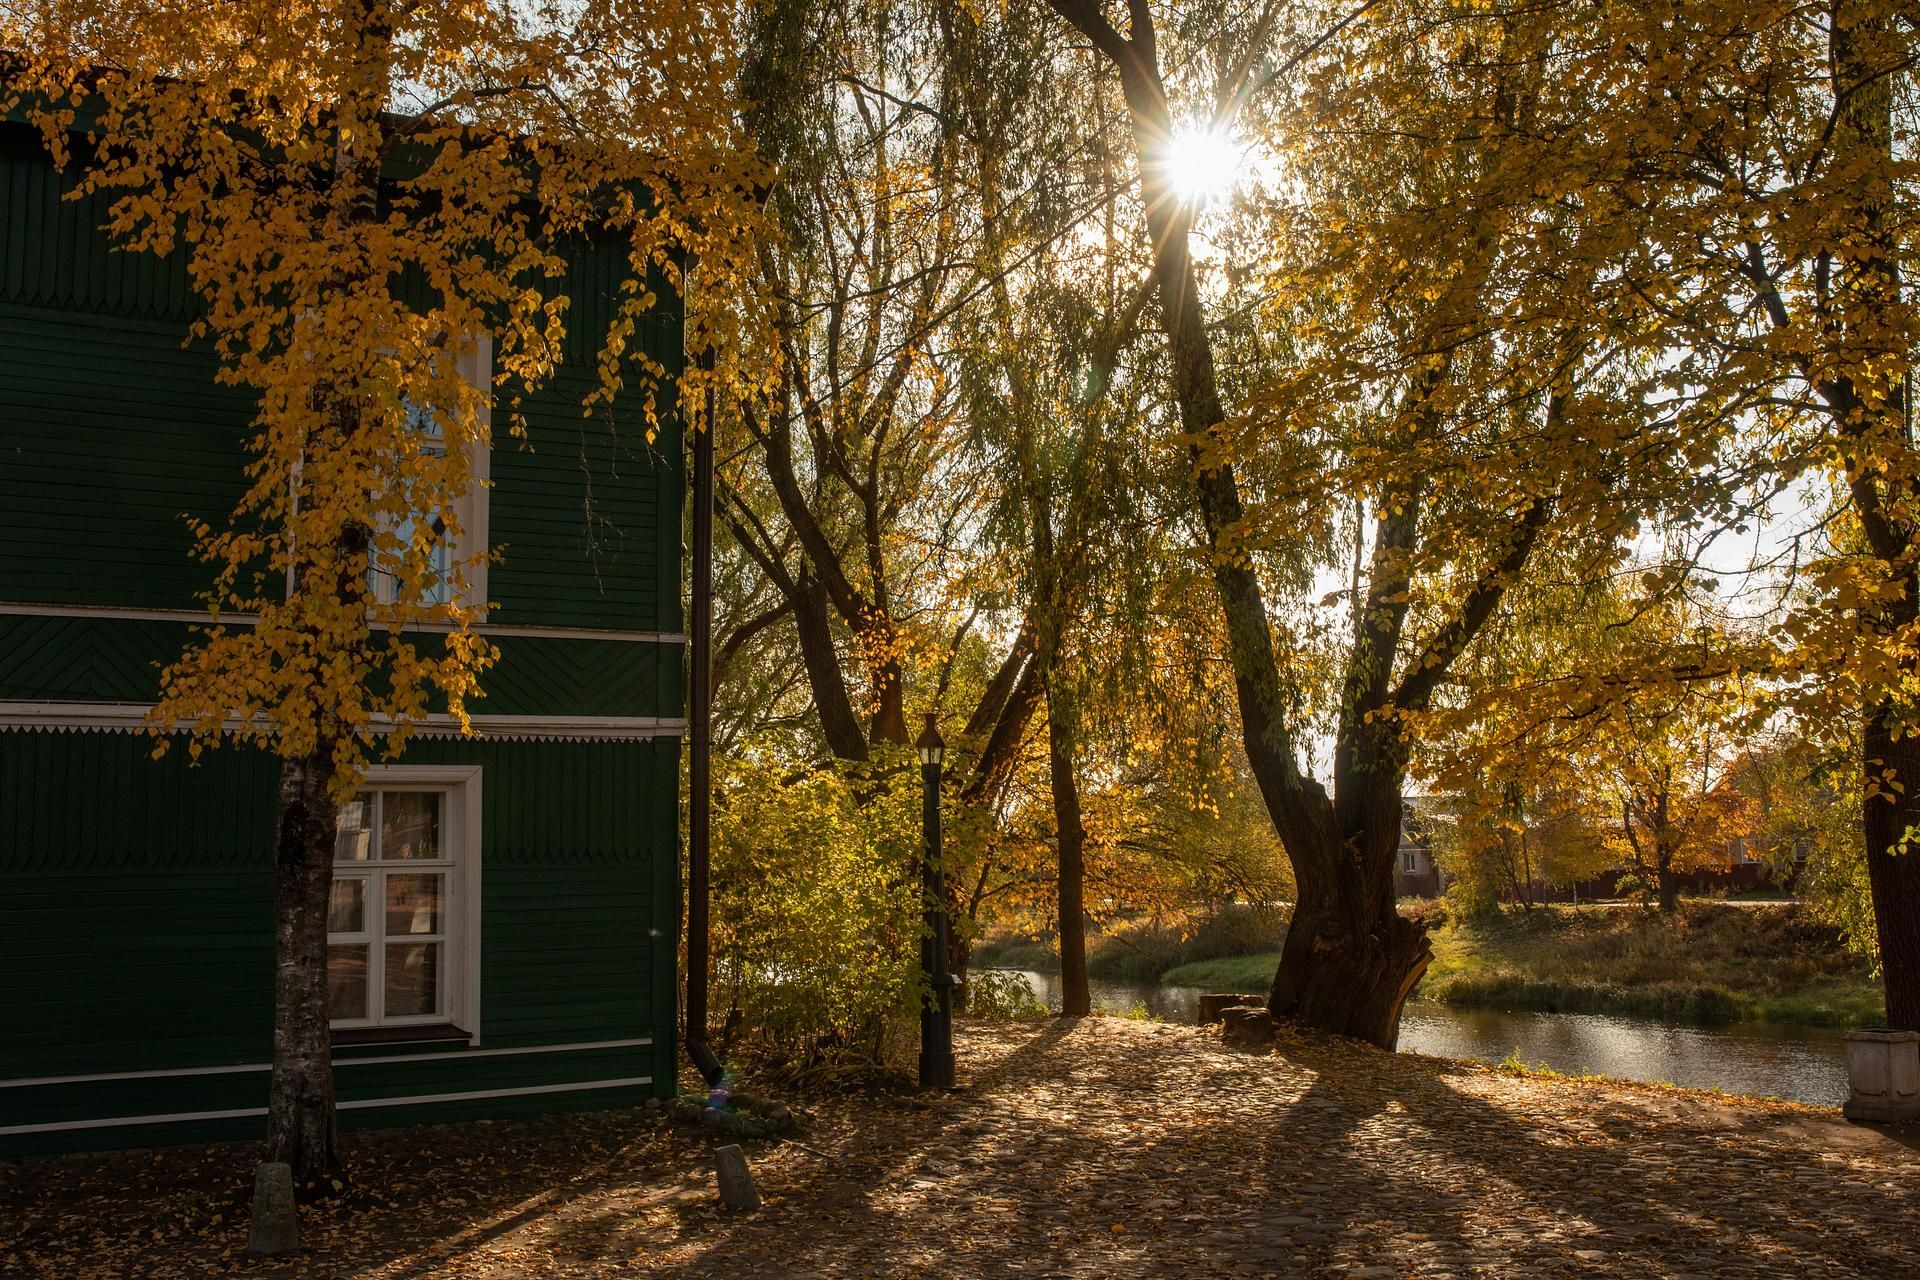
816, 908
1003, 996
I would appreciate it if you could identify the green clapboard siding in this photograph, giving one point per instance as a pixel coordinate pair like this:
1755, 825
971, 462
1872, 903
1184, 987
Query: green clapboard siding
53, 253
111, 433
136, 894
587, 511
77, 659
136, 933
113, 430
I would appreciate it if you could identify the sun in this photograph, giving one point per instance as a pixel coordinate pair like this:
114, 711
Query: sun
1202, 163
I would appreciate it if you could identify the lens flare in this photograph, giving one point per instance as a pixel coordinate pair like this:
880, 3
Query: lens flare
1202, 163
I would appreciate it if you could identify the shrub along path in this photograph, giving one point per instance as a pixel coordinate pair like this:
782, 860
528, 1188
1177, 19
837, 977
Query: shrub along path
1103, 1147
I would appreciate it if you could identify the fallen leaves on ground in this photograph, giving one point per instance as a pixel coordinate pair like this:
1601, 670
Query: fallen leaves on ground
1095, 1147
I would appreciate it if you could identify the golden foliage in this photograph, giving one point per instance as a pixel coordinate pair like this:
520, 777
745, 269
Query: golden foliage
361, 192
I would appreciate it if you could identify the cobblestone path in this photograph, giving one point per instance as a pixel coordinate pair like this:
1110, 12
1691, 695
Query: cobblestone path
1105, 1147
1117, 1148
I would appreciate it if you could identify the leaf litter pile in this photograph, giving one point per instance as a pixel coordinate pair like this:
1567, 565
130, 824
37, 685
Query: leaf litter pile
1099, 1147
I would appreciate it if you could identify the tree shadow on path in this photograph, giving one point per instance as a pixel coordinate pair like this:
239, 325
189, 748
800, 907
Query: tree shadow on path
1111, 1148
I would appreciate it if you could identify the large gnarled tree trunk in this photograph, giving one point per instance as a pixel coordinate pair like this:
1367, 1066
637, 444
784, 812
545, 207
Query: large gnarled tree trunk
1893, 862
1350, 959
1867, 397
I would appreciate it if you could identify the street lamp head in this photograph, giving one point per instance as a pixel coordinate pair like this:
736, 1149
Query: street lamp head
931, 746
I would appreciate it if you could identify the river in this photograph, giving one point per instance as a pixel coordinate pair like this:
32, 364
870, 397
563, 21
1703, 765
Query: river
1804, 1064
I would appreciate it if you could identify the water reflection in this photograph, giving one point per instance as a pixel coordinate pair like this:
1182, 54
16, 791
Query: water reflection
1804, 1064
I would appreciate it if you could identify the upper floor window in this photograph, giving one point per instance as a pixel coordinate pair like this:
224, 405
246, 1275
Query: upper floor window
426, 523
438, 589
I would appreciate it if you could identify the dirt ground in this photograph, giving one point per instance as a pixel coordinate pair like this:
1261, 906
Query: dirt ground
1103, 1147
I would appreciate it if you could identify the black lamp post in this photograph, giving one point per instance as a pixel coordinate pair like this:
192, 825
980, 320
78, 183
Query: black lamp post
936, 1015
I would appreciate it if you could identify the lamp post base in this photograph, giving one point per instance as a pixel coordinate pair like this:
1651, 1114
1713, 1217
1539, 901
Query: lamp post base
936, 1071
936, 1037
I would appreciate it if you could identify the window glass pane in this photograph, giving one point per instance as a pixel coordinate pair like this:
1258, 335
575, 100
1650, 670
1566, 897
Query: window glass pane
413, 978
410, 824
347, 906
437, 590
422, 419
354, 843
347, 981
384, 571
413, 904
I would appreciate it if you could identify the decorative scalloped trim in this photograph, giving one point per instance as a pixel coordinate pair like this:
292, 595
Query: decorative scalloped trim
200, 617
131, 718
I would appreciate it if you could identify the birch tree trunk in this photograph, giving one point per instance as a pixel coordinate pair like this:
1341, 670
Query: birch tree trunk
301, 1127
300, 1112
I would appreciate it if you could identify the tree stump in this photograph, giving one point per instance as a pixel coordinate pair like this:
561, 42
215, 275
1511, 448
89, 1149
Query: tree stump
1214, 1002
1246, 1027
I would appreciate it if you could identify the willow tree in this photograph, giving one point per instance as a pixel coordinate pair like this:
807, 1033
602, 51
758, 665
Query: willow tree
1455, 361
846, 497
364, 192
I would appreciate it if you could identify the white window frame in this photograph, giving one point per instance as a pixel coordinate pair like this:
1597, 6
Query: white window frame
460, 818
471, 508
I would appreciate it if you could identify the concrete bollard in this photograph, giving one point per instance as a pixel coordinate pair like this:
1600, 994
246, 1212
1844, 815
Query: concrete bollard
276, 1227
1883, 1076
736, 1180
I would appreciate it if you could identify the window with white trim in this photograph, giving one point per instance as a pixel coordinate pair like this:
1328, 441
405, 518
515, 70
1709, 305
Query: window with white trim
1412, 861
402, 918
475, 365
424, 423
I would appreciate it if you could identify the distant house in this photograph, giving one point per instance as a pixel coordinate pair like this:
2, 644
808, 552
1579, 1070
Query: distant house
503, 923
1415, 873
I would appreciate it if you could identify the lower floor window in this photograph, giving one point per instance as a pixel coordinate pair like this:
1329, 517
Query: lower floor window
395, 914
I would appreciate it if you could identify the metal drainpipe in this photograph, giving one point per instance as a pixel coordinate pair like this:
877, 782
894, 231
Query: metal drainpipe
700, 749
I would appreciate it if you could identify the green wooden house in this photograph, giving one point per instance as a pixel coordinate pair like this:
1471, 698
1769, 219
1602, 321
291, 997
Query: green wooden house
502, 939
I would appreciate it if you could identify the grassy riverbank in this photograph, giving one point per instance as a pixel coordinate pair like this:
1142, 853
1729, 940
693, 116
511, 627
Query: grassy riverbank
1229, 973
1709, 962
1150, 950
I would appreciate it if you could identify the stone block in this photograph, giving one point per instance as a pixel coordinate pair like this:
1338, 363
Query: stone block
275, 1226
736, 1180
1883, 1076
1213, 1002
